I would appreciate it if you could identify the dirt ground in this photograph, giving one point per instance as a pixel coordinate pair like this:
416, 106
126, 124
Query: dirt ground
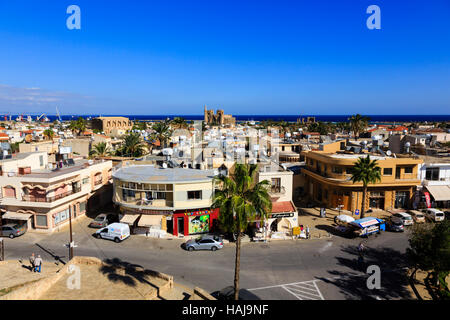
14, 273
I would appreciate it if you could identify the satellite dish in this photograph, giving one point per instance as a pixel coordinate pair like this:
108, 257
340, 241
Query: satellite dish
407, 144
389, 152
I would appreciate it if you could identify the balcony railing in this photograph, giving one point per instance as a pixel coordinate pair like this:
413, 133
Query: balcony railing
277, 190
29, 198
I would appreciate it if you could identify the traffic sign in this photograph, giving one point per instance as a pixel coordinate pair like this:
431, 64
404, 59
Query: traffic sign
357, 212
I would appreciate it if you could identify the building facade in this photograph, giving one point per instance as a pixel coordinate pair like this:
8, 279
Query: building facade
35, 192
159, 200
220, 118
112, 126
328, 181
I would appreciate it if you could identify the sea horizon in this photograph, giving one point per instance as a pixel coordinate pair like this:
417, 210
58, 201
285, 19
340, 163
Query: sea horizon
257, 118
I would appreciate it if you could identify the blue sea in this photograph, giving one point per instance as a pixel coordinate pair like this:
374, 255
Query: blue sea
287, 118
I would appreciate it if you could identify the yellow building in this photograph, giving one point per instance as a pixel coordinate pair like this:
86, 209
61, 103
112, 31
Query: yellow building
328, 180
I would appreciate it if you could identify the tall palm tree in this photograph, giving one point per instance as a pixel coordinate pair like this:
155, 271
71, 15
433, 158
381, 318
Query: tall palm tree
241, 200
366, 171
101, 149
48, 134
358, 123
162, 132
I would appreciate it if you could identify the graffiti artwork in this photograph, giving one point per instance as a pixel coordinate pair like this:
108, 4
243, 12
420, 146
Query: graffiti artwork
198, 224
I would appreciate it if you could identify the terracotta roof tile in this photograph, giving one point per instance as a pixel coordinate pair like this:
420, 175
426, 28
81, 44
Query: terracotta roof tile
282, 206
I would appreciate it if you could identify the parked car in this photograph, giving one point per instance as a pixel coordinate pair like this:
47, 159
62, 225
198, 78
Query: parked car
434, 215
417, 216
204, 243
447, 214
103, 219
406, 218
227, 293
395, 224
13, 230
115, 231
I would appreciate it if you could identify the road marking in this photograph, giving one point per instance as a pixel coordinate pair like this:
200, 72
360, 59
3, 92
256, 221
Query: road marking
305, 290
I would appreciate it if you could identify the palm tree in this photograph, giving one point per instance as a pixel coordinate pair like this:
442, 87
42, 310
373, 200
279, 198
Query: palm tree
358, 123
366, 171
78, 126
179, 123
48, 134
132, 146
101, 149
162, 132
241, 200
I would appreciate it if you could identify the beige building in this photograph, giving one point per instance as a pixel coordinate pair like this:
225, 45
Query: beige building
328, 180
220, 118
112, 126
43, 196
173, 200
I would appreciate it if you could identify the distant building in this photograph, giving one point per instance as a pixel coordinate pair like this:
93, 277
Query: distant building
219, 118
115, 126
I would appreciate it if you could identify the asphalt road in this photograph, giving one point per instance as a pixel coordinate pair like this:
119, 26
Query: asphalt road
281, 270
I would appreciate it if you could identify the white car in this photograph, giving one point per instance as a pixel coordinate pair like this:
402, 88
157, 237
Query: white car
406, 218
115, 231
434, 214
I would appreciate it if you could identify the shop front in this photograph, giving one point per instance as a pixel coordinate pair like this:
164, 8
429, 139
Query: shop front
189, 222
279, 224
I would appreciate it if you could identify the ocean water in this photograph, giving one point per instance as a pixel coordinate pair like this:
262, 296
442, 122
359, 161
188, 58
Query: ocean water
288, 118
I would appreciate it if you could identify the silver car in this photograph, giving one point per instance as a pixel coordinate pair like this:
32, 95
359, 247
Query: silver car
13, 230
204, 243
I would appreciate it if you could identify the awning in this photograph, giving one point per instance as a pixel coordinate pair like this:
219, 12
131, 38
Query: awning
16, 216
150, 220
439, 193
129, 218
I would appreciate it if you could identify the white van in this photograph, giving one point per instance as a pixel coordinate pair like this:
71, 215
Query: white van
435, 215
115, 231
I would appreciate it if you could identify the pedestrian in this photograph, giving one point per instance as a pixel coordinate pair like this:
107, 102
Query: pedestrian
361, 248
307, 232
38, 263
32, 260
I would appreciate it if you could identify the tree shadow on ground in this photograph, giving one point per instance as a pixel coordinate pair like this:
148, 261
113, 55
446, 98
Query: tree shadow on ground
332, 230
127, 273
394, 282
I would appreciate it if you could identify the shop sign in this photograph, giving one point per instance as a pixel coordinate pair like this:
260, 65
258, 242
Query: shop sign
282, 215
197, 213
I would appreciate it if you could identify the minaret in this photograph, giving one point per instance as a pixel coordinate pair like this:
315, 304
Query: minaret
205, 114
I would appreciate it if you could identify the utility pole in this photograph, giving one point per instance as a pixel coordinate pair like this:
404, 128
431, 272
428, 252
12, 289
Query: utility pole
71, 240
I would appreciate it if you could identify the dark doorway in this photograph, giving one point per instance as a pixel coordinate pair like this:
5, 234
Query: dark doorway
397, 172
180, 223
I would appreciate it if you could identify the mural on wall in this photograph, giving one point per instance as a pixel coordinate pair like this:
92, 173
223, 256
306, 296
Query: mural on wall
199, 224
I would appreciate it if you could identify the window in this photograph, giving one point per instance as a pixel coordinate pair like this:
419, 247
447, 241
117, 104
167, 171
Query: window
387, 171
41, 160
276, 184
432, 174
349, 170
82, 206
9, 192
194, 195
85, 180
61, 216
337, 170
408, 169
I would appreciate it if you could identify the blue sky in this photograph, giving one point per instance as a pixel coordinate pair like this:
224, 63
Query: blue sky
247, 57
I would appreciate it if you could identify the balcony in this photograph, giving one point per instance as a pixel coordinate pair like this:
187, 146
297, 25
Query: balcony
29, 198
98, 182
279, 190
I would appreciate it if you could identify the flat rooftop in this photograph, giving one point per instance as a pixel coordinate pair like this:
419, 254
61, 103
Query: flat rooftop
149, 173
47, 173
